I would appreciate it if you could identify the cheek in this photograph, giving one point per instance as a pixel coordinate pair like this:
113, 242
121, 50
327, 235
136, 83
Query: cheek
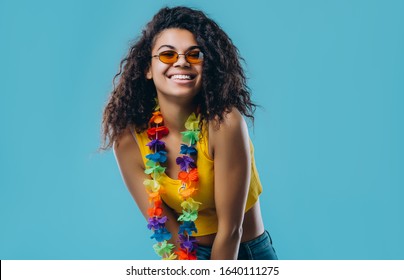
200, 74
156, 70
198, 68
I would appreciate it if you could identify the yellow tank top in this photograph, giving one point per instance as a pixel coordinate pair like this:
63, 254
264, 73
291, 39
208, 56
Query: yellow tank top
207, 222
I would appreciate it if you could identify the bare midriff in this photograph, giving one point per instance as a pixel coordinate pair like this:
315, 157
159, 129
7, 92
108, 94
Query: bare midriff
252, 227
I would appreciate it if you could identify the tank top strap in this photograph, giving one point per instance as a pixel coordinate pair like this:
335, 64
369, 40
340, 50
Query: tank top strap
133, 132
141, 140
203, 143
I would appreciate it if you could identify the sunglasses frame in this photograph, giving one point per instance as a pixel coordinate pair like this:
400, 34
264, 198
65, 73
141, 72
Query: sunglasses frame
178, 56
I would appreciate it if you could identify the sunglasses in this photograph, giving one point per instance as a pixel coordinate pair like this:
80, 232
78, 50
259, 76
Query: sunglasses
191, 56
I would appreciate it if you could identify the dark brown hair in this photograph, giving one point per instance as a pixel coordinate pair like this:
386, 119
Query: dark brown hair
223, 86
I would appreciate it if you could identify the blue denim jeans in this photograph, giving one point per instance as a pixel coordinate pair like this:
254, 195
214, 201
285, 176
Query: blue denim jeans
259, 248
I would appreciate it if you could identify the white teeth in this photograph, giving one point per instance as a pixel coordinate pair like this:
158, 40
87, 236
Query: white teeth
181, 77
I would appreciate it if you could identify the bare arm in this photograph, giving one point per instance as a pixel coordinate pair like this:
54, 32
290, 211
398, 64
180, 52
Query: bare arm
131, 165
231, 152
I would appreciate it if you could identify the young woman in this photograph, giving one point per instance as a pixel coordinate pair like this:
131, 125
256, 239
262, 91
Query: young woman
175, 122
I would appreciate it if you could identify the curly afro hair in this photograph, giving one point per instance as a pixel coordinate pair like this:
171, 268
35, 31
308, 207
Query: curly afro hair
223, 87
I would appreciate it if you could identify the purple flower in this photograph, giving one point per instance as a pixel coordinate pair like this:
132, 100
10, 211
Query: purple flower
188, 242
185, 163
156, 223
156, 145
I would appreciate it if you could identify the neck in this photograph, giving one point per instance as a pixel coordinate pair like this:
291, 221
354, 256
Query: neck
175, 114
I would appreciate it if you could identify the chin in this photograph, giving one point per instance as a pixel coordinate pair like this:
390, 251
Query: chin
181, 94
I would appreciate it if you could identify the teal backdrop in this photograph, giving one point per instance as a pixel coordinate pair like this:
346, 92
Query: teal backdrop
329, 76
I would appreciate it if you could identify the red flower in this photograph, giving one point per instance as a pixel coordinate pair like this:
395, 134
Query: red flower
184, 254
157, 132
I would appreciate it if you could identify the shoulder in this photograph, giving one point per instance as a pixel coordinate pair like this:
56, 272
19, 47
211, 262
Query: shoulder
126, 149
231, 130
232, 122
124, 141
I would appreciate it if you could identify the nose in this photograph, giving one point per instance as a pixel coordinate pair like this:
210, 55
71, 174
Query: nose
181, 61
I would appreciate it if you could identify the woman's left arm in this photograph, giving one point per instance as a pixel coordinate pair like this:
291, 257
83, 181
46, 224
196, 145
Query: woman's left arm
232, 170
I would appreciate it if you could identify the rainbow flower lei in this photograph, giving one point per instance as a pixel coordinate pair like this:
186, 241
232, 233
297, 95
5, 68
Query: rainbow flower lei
189, 180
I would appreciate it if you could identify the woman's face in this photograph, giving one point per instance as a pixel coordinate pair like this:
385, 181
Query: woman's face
178, 79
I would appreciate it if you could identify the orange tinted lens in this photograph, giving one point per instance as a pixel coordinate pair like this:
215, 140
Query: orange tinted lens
194, 56
168, 56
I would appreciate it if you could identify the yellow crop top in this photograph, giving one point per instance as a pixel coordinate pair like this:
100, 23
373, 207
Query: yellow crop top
207, 222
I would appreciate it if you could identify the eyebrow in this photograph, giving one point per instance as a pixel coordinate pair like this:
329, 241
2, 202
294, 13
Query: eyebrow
173, 48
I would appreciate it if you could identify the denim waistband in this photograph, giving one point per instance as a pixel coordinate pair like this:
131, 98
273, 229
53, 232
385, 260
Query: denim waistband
251, 242
258, 239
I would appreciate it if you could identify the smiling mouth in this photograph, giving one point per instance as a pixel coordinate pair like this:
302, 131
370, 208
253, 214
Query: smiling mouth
182, 77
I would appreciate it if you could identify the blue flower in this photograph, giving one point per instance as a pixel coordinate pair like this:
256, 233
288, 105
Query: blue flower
189, 227
159, 156
161, 234
190, 150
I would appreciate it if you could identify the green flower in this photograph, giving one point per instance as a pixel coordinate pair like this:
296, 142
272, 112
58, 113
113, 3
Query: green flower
163, 248
154, 168
190, 136
188, 216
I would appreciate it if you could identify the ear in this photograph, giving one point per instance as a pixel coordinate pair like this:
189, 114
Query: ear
149, 75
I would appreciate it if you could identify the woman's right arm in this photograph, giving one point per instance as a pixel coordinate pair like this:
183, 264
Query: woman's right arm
130, 163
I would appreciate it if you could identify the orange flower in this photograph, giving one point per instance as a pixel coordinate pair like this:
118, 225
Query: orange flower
157, 118
191, 176
156, 210
187, 192
153, 196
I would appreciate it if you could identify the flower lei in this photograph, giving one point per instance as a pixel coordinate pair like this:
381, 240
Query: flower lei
189, 179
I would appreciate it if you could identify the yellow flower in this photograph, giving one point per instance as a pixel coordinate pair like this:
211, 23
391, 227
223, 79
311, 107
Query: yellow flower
190, 204
157, 108
151, 185
192, 122
173, 256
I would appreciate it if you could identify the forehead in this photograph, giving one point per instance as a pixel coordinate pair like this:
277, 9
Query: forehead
178, 38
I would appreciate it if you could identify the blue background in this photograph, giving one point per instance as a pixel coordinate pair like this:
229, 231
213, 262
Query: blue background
329, 75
